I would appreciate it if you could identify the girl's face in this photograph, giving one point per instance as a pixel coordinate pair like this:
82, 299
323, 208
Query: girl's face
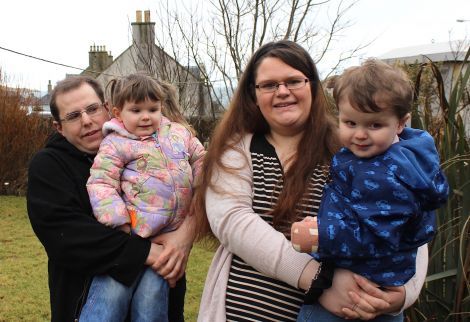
285, 110
141, 119
368, 134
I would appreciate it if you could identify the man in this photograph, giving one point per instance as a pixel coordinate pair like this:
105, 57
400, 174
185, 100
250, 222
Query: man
79, 247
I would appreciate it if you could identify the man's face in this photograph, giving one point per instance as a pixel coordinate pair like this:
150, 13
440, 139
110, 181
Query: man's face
85, 132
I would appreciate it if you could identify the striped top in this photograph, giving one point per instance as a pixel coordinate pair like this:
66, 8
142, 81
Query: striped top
252, 296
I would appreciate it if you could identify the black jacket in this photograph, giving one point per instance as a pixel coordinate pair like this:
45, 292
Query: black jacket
78, 247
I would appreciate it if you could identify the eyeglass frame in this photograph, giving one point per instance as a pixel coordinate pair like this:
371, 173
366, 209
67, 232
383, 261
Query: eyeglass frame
277, 84
85, 110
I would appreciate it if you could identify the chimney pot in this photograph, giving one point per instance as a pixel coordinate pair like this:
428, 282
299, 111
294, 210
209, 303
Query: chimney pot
147, 15
138, 16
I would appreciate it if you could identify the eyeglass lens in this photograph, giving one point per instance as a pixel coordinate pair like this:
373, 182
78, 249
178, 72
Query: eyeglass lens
89, 110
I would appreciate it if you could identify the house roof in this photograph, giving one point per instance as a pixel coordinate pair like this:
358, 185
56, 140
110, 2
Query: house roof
437, 52
44, 100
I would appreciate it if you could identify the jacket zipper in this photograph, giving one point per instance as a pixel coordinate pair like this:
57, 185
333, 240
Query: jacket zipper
167, 164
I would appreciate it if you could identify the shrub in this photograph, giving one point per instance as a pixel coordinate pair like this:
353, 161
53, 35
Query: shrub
21, 135
203, 127
445, 296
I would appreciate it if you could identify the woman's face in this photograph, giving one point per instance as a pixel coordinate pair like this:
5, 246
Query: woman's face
286, 111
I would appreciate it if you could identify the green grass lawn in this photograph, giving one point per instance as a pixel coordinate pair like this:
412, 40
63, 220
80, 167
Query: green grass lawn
24, 294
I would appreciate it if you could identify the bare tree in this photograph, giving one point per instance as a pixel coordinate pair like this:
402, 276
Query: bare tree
153, 59
219, 36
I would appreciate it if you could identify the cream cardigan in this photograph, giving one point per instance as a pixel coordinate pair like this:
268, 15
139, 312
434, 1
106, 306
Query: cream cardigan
243, 232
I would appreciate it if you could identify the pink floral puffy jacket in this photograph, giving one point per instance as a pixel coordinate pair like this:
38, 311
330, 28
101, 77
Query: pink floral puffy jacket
145, 182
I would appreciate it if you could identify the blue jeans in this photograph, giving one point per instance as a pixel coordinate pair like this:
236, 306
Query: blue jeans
316, 313
109, 300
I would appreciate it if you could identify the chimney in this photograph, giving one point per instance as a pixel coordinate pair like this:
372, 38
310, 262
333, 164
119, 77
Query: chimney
98, 59
49, 87
143, 33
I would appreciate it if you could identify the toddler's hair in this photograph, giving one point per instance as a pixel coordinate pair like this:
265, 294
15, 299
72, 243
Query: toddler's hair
139, 87
375, 86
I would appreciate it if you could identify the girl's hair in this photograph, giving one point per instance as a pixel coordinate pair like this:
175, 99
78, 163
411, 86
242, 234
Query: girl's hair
375, 86
317, 145
139, 87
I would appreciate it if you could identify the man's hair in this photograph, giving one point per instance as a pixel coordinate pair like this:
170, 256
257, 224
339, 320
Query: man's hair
375, 86
68, 84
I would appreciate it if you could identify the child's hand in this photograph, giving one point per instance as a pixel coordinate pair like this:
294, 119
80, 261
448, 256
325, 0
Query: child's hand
304, 235
125, 228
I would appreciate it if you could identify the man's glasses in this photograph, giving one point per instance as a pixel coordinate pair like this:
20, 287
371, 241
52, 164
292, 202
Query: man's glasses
270, 87
92, 110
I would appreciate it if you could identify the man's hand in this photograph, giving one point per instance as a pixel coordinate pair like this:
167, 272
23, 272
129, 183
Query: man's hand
171, 264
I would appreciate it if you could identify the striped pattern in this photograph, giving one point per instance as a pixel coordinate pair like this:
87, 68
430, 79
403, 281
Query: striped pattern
252, 296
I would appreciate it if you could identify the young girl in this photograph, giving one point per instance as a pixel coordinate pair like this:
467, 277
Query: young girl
141, 182
385, 183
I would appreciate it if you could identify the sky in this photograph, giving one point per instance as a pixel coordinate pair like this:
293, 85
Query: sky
63, 31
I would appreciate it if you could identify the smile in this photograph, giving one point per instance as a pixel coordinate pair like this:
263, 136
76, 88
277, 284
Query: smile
281, 105
90, 133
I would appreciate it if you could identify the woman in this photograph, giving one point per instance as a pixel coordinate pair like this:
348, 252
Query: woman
265, 169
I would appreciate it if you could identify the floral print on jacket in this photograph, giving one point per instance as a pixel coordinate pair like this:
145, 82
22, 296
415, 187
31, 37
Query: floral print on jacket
145, 182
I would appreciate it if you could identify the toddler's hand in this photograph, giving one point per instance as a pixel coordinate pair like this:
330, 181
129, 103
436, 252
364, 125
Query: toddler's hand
125, 228
304, 235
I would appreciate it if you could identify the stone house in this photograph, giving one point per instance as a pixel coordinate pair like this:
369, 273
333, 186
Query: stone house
144, 55
449, 56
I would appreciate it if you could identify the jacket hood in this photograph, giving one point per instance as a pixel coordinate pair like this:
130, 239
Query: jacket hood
414, 162
114, 125
417, 166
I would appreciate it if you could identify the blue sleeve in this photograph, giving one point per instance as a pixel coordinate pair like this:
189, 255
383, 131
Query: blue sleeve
372, 215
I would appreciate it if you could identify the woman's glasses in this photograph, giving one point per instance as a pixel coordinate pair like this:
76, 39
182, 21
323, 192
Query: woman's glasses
270, 87
92, 110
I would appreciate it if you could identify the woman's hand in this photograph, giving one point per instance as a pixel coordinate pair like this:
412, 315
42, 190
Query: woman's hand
371, 296
354, 297
171, 264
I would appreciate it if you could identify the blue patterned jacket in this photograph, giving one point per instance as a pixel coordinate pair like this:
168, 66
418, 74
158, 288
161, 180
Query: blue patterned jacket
376, 212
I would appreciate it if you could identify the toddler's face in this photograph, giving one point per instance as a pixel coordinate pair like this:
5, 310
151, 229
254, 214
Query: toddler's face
141, 119
368, 134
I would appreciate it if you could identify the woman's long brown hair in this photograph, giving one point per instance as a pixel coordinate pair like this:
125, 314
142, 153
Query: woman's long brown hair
316, 147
